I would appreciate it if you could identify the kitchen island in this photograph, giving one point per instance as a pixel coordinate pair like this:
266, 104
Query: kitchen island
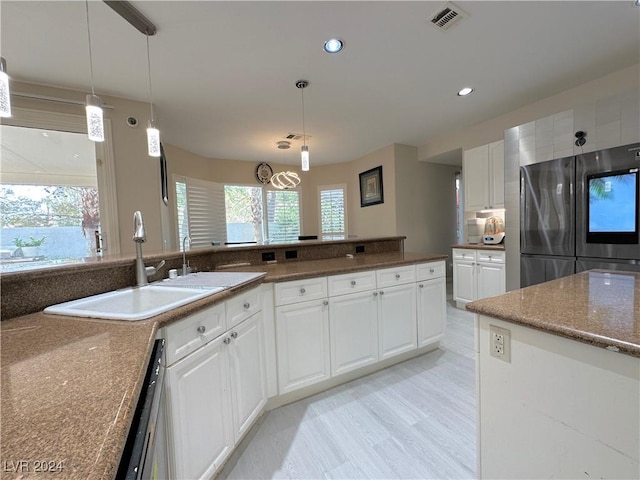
70, 385
558, 379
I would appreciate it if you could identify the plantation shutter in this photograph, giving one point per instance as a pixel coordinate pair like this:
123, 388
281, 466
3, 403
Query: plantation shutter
283, 214
332, 212
206, 211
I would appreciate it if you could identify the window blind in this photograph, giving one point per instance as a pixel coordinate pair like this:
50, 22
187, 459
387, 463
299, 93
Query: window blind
206, 212
283, 213
332, 212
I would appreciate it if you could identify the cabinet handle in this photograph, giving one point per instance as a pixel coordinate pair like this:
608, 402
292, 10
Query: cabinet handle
421, 286
325, 302
226, 341
302, 291
353, 283
431, 270
381, 292
246, 305
201, 329
234, 334
397, 276
375, 294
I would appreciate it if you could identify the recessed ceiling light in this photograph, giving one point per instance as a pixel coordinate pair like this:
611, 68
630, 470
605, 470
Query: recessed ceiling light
465, 91
333, 45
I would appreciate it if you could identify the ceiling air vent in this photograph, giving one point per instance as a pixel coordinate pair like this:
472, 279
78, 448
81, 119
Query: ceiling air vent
447, 16
293, 136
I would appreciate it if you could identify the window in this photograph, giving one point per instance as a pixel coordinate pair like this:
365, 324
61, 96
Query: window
332, 212
208, 211
50, 179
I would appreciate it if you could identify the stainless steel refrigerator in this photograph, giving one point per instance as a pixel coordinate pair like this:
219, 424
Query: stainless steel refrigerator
579, 213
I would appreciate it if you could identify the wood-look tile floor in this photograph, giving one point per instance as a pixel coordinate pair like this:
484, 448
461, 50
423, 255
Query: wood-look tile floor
414, 420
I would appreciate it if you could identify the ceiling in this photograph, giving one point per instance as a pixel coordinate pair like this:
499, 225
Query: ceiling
224, 73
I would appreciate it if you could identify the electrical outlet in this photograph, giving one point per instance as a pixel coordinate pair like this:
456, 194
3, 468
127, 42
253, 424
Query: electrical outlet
500, 343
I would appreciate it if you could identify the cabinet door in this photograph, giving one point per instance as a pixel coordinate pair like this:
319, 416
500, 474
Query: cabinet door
302, 336
248, 373
496, 173
464, 281
475, 169
354, 331
397, 327
432, 310
200, 411
491, 280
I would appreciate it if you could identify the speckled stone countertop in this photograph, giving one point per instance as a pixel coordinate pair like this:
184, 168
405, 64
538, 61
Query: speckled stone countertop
597, 307
70, 385
479, 246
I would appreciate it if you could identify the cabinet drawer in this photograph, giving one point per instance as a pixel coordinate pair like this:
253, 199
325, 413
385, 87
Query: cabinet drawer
426, 271
490, 256
396, 276
189, 334
286, 293
462, 254
351, 283
242, 306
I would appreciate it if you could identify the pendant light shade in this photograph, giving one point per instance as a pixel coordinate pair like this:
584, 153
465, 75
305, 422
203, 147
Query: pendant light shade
5, 97
153, 134
95, 122
304, 154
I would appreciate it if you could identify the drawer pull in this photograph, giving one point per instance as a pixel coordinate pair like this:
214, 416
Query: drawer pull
431, 270
381, 292
202, 329
325, 302
246, 305
421, 286
302, 291
397, 276
234, 334
353, 283
226, 341
375, 294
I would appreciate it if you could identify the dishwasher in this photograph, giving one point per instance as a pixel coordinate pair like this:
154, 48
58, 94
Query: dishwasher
145, 453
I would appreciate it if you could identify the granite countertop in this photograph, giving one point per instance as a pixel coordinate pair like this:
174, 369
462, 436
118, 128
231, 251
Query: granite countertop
70, 385
597, 307
479, 246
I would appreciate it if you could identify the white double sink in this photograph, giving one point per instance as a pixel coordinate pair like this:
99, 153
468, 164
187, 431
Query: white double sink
138, 303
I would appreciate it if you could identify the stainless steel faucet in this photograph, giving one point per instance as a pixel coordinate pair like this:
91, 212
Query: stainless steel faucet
185, 266
139, 237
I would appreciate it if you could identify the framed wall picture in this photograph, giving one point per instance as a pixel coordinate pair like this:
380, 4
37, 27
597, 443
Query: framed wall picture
371, 187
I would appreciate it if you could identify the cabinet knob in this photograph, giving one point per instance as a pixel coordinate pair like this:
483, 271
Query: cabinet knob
325, 302
431, 270
226, 341
353, 283
201, 329
421, 286
375, 294
302, 291
246, 305
381, 292
397, 276
234, 334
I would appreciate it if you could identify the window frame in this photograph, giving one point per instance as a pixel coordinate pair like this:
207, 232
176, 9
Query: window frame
321, 188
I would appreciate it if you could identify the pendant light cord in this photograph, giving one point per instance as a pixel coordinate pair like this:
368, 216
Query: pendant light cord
90, 56
304, 132
149, 72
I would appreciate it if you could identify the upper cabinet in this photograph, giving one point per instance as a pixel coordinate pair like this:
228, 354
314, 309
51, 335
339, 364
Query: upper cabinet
483, 170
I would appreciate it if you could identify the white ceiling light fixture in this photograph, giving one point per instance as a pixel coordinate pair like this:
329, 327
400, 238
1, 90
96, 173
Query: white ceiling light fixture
465, 91
333, 45
95, 122
5, 95
304, 154
153, 134
285, 180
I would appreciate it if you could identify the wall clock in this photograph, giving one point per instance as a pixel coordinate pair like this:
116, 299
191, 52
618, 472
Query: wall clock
264, 172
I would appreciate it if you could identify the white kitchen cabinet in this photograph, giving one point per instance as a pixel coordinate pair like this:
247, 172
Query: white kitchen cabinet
483, 171
431, 302
354, 331
477, 274
397, 328
199, 405
247, 365
302, 339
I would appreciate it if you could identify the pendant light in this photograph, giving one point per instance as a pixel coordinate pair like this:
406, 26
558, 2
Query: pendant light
302, 84
95, 122
153, 134
285, 180
5, 97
